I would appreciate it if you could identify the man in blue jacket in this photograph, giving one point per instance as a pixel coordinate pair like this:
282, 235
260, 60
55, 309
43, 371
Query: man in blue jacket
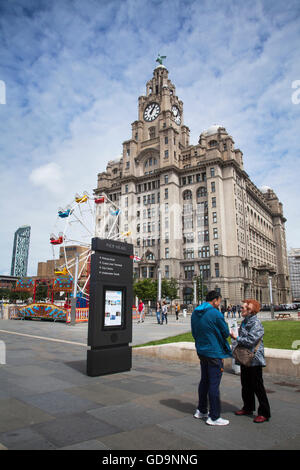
210, 332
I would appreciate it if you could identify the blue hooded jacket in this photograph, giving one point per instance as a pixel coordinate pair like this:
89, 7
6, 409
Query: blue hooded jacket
210, 332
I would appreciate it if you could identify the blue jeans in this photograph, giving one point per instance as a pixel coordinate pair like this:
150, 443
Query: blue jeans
211, 375
158, 316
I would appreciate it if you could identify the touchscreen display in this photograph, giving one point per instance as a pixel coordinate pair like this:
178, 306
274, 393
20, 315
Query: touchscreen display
113, 308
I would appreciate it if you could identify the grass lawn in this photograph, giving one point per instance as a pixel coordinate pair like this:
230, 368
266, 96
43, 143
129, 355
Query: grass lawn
279, 334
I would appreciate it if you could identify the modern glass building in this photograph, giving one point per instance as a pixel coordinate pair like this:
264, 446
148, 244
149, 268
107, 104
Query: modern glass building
294, 265
19, 261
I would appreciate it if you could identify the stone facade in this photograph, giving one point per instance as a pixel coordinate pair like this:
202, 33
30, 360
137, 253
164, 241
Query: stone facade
192, 210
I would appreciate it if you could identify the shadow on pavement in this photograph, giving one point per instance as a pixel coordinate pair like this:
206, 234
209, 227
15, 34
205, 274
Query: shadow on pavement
80, 366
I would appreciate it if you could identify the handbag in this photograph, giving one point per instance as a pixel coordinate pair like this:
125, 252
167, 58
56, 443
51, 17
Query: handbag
243, 355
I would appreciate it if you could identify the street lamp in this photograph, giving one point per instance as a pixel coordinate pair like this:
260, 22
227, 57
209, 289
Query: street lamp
195, 290
159, 285
271, 297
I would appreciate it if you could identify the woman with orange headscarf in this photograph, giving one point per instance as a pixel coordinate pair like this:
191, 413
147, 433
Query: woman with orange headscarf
250, 335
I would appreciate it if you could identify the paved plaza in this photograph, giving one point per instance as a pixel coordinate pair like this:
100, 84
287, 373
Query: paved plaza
48, 402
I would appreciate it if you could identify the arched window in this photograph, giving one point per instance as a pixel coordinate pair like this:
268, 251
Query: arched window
213, 143
201, 191
187, 195
150, 256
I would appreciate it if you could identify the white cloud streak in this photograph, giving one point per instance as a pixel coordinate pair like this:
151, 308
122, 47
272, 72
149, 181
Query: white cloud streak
74, 70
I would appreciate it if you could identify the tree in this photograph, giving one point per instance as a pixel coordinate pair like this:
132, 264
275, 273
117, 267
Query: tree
201, 289
41, 292
169, 289
4, 293
145, 289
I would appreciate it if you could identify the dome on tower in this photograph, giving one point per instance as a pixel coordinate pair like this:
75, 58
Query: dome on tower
212, 130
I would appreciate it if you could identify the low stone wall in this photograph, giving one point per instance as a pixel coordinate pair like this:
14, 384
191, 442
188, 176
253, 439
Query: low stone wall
279, 361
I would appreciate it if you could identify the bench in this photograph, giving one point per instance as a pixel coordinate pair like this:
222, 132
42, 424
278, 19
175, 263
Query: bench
283, 315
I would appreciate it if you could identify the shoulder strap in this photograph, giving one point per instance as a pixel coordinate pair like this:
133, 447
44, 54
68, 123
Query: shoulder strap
257, 346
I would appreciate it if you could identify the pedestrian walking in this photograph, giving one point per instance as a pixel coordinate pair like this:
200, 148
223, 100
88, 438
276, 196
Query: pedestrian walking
210, 332
228, 311
223, 310
141, 310
239, 308
164, 312
158, 312
233, 310
250, 336
177, 310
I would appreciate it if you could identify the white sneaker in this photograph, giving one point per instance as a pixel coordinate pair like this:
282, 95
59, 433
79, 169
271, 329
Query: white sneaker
217, 422
200, 415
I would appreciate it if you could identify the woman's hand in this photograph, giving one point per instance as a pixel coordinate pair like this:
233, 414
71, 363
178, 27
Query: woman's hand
233, 335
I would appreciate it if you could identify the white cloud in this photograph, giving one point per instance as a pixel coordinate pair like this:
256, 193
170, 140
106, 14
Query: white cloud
48, 176
74, 70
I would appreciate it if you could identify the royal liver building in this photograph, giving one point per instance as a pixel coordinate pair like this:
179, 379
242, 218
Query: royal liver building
192, 210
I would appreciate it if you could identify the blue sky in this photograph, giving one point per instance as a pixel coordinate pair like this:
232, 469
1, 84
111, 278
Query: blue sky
73, 71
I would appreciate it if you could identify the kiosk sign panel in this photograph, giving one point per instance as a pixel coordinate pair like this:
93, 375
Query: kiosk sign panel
113, 308
110, 311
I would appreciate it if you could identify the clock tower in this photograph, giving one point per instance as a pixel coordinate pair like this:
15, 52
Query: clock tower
159, 132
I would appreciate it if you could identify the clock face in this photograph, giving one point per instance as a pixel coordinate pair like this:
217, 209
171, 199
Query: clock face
151, 112
176, 114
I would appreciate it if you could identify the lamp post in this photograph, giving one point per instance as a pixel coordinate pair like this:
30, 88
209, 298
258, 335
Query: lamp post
195, 291
159, 285
271, 297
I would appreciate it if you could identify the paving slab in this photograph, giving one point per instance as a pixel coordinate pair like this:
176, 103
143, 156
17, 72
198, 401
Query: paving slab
48, 402
74, 428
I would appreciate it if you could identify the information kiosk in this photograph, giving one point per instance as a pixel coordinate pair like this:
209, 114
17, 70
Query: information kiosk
110, 310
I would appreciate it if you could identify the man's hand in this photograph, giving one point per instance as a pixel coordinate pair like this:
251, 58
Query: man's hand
233, 335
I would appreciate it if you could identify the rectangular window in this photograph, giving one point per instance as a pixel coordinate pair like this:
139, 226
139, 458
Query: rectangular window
215, 233
213, 187
166, 153
204, 271
189, 272
166, 140
214, 217
212, 172
166, 253
167, 271
217, 269
216, 250
144, 272
213, 202
166, 179
151, 271
166, 193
